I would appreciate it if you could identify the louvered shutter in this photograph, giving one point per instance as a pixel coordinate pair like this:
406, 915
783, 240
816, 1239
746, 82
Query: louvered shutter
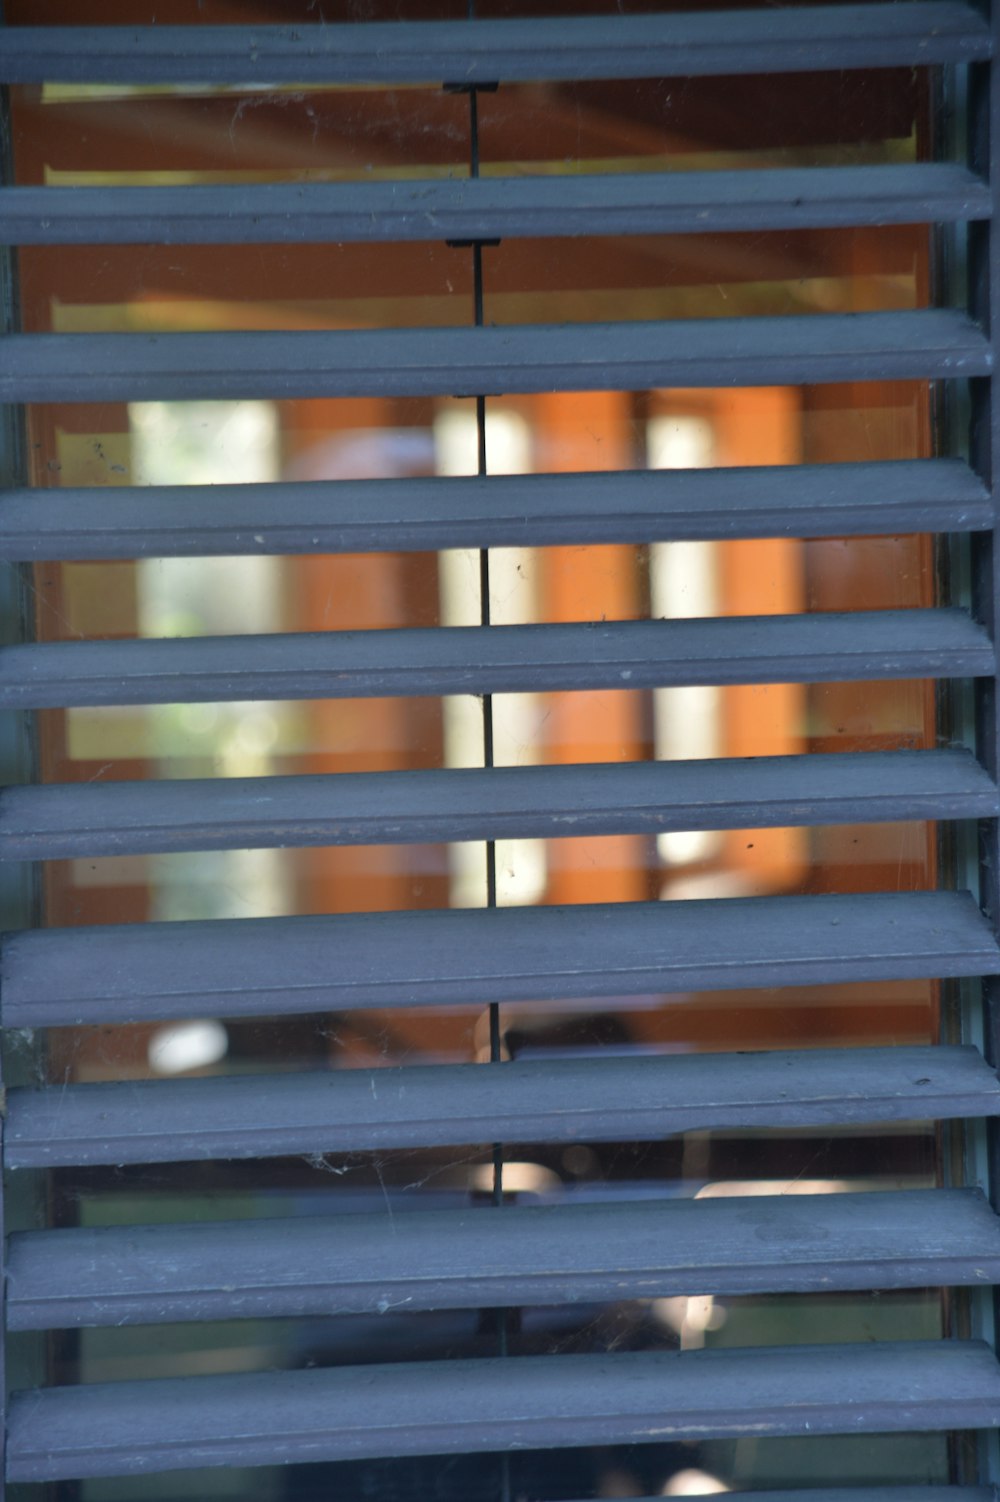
153, 971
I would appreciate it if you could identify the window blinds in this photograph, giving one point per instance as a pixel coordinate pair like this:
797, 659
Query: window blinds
151, 972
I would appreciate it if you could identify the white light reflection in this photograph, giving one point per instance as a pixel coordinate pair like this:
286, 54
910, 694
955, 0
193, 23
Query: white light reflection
693, 1483
689, 1318
518, 1178
187, 1045
749, 1188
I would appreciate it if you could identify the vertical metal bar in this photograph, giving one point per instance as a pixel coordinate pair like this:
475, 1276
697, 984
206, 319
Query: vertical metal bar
485, 619
484, 597
484, 602
984, 450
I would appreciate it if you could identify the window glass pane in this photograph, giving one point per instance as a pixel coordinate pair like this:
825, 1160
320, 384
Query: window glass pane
87, 136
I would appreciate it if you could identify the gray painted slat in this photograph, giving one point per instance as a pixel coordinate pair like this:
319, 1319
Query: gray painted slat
493, 207
357, 516
475, 1258
254, 967
465, 1407
498, 659
116, 818
877, 1494
495, 360
686, 45
610, 1099
869, 1494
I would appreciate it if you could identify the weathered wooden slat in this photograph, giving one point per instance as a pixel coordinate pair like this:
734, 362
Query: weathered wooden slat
474, 1258
493, 207
498, 659
495, 360
253, 967
533, 1100
467, 1407
81, 819
359, 516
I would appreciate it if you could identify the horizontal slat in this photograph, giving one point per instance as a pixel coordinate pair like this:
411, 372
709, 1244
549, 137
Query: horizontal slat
498, 659
533, 1100
252, 967
74, 819
357, 516
476, 1258
494, 360
869, 1494
821, 37
466, 1407
493, 207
